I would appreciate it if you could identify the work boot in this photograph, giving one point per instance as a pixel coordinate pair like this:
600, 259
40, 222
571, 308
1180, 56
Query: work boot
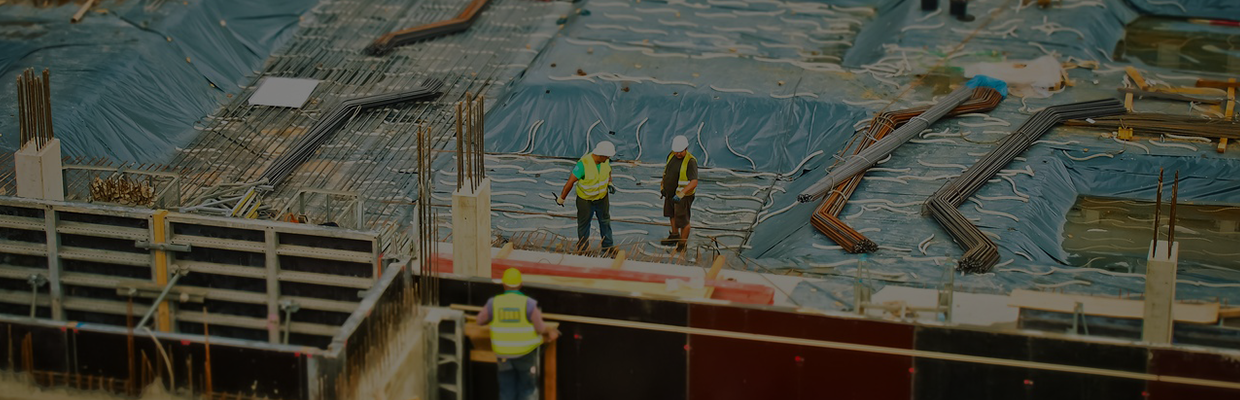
671, 239
681, 244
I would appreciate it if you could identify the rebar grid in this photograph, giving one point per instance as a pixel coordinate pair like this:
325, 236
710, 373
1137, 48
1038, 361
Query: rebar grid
371, 154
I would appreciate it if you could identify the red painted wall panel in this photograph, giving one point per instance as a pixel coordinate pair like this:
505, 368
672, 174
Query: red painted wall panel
723, 368
1219, 367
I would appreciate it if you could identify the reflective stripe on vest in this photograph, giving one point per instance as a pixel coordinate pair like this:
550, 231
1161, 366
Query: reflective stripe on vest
593, 185
512, 334
684, 174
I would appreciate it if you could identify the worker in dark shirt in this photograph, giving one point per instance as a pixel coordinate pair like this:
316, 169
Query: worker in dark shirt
517, 329
680, 181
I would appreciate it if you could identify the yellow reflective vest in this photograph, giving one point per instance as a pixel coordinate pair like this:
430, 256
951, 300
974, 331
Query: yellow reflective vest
683, 182
593, 185
512, 334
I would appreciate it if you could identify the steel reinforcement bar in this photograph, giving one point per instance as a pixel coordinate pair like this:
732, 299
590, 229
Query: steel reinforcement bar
866, 158
299, 152
461, 22
981, 253
826, 217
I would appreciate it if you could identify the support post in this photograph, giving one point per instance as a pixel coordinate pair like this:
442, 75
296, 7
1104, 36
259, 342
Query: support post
53, 263
159, 234
1229, 112
38, 171
1159, 291
471, 230
273, 287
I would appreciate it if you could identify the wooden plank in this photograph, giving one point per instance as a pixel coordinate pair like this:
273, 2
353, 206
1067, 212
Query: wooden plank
1228, 113
1137, 78
549, 373
647, 288
1119, 308
1233, 312
504, 251
1196, 98
618, 262
1231, 83
716, 267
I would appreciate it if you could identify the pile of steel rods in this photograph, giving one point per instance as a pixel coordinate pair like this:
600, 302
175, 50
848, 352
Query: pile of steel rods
980, 252
34, 108
826, 217
881, 148
301, 151
461, 22
470, 155
1165, 124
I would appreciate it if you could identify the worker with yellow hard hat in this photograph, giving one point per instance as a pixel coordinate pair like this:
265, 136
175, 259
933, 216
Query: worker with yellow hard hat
517, 329
592, 177
679, 183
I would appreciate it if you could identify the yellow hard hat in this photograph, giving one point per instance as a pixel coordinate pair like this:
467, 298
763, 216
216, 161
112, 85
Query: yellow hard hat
512, 277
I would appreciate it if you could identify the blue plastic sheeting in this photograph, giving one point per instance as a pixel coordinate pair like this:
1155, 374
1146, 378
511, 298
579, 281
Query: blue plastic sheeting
758, 95
679, 83
128, 84
1212, 9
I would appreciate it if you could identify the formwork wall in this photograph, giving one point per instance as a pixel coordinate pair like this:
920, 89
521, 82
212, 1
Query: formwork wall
239, 275
598, 361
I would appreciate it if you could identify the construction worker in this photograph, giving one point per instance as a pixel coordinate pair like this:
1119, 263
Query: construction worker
517, 329
592, 176
680, 181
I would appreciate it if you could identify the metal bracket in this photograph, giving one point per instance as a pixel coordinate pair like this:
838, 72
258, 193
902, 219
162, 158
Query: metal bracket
146, 244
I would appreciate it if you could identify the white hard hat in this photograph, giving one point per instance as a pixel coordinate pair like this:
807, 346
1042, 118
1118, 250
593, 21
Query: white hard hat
680, 143
605, 149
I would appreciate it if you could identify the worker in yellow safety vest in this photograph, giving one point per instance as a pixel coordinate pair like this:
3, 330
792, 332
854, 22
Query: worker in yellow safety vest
517, 329
592, 177
680, 181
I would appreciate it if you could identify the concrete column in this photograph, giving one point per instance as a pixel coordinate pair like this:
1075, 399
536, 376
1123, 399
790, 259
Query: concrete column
471, 230
1160, 292
39, 174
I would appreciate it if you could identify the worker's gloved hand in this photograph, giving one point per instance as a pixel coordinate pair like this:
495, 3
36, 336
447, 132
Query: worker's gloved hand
679, 195
611, 188
551, 335
559, 200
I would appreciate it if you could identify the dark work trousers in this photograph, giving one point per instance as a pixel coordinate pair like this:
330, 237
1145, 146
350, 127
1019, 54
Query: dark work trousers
518, 377
585, 211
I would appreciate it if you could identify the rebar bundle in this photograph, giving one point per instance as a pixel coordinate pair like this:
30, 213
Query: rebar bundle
461, 22
299, 152
1165, 124
980, 252
826, 217
34, 108
427, 237
470, 156
869, 156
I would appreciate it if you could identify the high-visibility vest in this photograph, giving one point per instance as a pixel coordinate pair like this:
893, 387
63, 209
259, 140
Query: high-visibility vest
684, 173
512, 334
593, 185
